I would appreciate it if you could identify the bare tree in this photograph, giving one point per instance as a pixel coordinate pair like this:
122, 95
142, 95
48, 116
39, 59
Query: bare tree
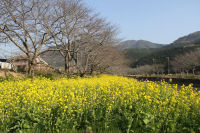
67, 26
23, 23
107, 60
158, 68
193, 59
144, 70
72, 14
82, 34
96, 35
186, 62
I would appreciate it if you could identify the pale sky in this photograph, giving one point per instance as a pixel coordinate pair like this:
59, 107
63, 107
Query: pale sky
160, 21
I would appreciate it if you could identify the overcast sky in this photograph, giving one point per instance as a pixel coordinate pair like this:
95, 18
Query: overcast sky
160, 21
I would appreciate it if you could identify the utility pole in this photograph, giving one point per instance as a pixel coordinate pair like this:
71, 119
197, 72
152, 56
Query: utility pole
153, 61
167, 65
155, 67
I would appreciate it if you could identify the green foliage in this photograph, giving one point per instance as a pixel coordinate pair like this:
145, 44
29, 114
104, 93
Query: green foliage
9, 77
135, 54
1, 79
50, 75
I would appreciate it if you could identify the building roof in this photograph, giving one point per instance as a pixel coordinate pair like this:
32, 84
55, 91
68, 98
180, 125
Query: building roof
39, 60
3, 60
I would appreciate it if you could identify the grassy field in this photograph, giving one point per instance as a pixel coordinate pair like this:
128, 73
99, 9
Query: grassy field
98, 104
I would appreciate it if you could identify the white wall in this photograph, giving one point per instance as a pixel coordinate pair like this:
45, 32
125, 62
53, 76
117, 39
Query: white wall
5, 65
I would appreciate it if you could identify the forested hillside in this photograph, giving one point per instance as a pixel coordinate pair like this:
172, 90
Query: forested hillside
164, 55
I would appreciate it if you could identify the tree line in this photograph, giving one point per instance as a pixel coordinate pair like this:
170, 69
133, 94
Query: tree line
83, 38
185, 63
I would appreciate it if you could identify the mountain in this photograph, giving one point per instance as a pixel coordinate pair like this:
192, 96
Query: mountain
139, 44
160, 56
139, 57
193, 38
53, 58
135, 54
143, 52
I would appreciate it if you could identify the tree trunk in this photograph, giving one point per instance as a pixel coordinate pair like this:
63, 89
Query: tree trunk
31, 67
82, 74
76, 63
92, 70
67, 64
86, 63
67, 58
187, 72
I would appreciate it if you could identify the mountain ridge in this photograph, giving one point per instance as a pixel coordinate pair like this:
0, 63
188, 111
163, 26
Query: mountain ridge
138, 44
188, 39
180, 46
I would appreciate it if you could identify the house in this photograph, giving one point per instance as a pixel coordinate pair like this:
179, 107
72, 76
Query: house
4, 64
20, 64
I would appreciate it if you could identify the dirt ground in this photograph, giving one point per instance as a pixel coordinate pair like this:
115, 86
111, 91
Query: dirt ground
4, 73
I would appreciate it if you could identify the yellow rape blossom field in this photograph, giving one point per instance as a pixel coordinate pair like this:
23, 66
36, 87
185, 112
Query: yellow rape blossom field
99, 104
